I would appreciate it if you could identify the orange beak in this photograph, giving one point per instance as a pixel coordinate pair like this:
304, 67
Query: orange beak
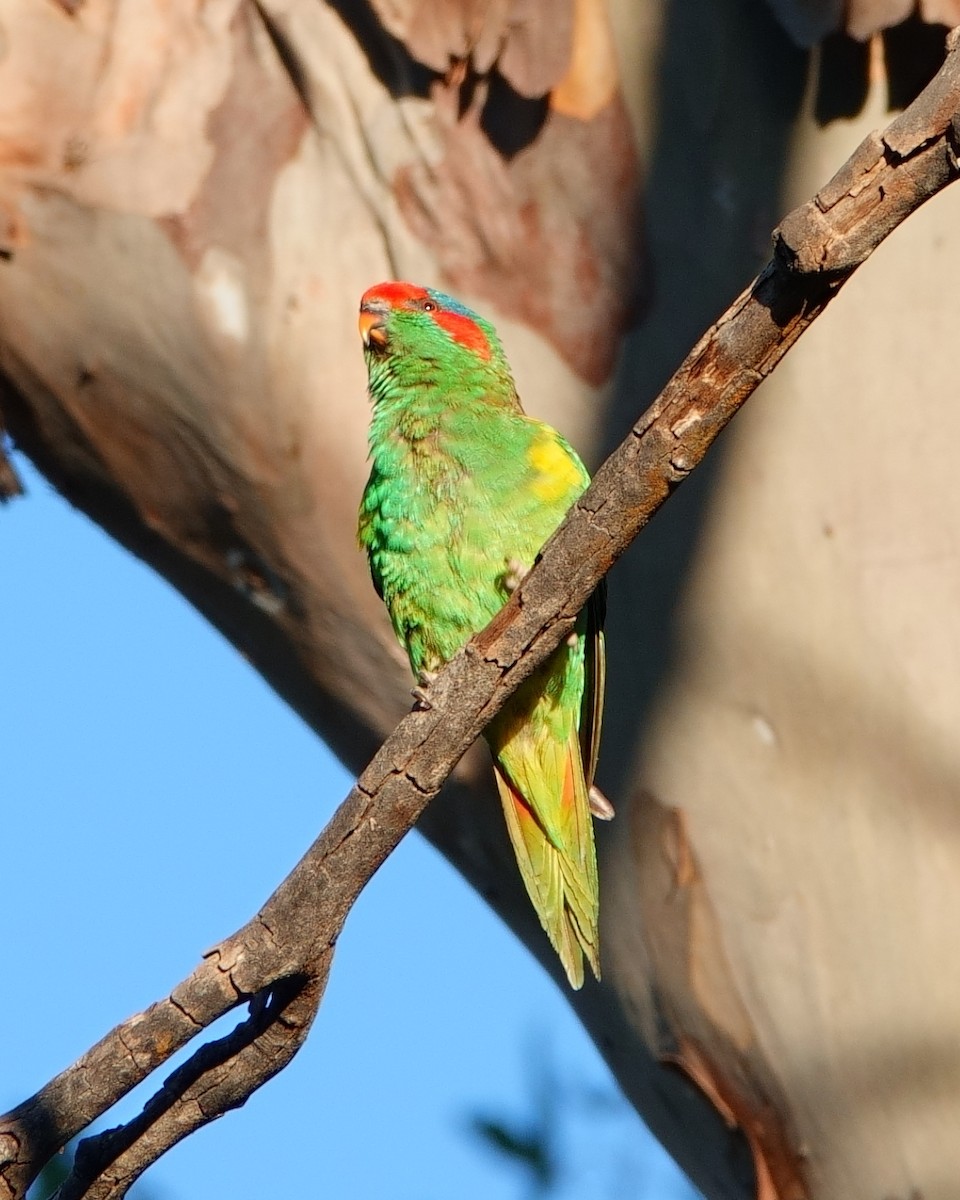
372, 328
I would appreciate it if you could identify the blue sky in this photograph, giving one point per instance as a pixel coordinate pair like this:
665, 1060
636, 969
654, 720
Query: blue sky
140, 758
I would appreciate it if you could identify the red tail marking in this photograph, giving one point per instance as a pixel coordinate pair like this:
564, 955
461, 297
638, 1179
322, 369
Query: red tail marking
569, 797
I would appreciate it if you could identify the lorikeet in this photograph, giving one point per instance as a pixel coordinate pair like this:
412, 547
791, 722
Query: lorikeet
464, 490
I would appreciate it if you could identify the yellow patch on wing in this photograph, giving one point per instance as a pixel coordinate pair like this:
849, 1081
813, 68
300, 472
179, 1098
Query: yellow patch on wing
556, 473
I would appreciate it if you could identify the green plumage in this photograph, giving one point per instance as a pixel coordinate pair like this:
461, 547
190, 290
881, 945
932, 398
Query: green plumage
463, 488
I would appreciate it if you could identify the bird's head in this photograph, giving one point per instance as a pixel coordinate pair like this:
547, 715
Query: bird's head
414, 335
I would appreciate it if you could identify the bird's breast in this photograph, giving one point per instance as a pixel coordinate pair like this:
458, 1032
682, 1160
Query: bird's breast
433, 546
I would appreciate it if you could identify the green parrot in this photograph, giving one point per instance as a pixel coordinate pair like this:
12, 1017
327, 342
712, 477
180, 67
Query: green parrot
464, 490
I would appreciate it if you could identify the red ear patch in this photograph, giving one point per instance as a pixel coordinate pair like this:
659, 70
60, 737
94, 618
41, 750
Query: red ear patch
463, 331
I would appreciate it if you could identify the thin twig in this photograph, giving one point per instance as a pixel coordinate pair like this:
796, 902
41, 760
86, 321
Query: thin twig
10, 484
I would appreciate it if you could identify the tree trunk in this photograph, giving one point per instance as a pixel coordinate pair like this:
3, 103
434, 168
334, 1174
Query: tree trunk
187, 221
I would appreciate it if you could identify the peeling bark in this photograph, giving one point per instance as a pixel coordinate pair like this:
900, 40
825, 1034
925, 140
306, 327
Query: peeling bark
183, 234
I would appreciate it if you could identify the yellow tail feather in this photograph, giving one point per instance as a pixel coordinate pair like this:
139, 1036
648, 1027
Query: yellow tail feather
556, 855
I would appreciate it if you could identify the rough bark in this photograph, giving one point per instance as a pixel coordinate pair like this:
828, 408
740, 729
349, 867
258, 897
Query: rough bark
175, 361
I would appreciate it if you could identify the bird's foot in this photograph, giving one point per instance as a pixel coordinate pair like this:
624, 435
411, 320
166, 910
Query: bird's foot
419, 693
514, 575
600, 806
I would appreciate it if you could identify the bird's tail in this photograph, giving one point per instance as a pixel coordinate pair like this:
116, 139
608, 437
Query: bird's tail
552, 834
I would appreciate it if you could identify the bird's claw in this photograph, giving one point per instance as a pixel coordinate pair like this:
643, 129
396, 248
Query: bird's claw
419, 693
514, 575
600, 806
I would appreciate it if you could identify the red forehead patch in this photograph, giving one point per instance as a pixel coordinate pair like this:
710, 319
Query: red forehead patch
455, 321
394, 293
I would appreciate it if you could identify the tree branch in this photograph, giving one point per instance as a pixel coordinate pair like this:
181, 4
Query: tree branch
10, 484
220, 1076
279, 961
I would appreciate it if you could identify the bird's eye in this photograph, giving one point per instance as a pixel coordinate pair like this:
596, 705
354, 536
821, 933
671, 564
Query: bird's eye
429, 306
